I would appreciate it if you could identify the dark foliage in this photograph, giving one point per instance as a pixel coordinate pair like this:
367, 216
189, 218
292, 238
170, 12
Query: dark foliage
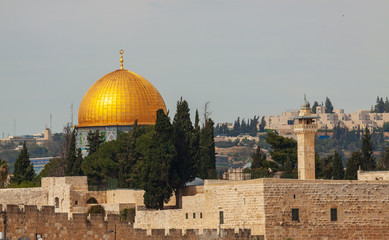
95, 139
24, 171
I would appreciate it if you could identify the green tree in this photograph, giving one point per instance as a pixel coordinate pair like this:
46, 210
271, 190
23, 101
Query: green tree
319, 167
23, 169
195, 143
380, 105
386, 105
289, 172
102, 165
262, 125
328, 105
207, 151
120, 159
54, 168
383, 163
183, 166
386, 126
253, 126
315, 104
95, 139
258, 158
71, 155
337, 167
352, 166
367, 160
129, 156
158, 164
4, 171
282, 149
77, 171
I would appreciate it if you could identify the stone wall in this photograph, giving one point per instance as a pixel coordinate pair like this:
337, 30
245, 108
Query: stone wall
29, 221
240, 201
24, 196
362, 209
373, 176
264, 206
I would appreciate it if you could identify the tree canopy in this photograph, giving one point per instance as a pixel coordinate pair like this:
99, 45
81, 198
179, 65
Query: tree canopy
24, 171
158, 165
283, 150
95, 139
4, 171
183, 166
368, 159
329, 108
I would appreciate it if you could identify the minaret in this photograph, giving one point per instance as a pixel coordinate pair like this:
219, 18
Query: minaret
305, 128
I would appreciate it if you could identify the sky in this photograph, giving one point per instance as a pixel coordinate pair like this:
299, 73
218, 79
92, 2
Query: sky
245, 57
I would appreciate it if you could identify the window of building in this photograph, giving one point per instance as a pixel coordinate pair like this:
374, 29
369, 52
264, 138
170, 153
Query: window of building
295, 214
294, 196
194, 215
186, 215
201, 215
91, 200
221, 217
56, 202
334, 214
76, 202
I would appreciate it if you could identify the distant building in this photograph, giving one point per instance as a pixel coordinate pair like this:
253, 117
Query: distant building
222, 164
360, 118
39, 163
236, 174
40, 138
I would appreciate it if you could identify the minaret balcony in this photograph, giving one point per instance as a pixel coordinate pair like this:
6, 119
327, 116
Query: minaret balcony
305, 127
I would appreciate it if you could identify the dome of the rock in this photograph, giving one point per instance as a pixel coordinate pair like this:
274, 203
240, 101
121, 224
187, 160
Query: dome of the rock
113, 104
120, 98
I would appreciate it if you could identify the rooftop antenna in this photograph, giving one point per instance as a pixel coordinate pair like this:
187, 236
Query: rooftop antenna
51, 121
14, 126
71, 114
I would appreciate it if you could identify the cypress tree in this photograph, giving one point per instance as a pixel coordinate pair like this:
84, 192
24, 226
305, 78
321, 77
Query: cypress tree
288, 169
386, 105
24, 171
95, 139
71, 156
76, 170
258, 158
4, 171
352, 166
207, 150
157, 166
367, 160
315, 104
195, 143
183, 166
262, 124
328, 105
129, 156
337, 167
383, 163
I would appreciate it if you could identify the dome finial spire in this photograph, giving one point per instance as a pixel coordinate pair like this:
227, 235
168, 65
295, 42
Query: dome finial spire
121, 58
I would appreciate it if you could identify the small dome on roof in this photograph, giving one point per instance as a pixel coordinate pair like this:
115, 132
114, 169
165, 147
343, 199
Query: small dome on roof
306, 104
196, 182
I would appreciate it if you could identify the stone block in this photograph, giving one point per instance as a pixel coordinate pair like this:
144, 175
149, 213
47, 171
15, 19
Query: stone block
48, 210
157, 232
175, 232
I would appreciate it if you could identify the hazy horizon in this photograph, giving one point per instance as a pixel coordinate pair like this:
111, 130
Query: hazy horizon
246, 57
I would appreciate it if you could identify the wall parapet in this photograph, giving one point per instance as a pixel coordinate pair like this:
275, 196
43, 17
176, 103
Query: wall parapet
28, 221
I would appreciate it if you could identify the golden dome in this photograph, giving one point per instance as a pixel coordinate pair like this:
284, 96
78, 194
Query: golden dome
119, 98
